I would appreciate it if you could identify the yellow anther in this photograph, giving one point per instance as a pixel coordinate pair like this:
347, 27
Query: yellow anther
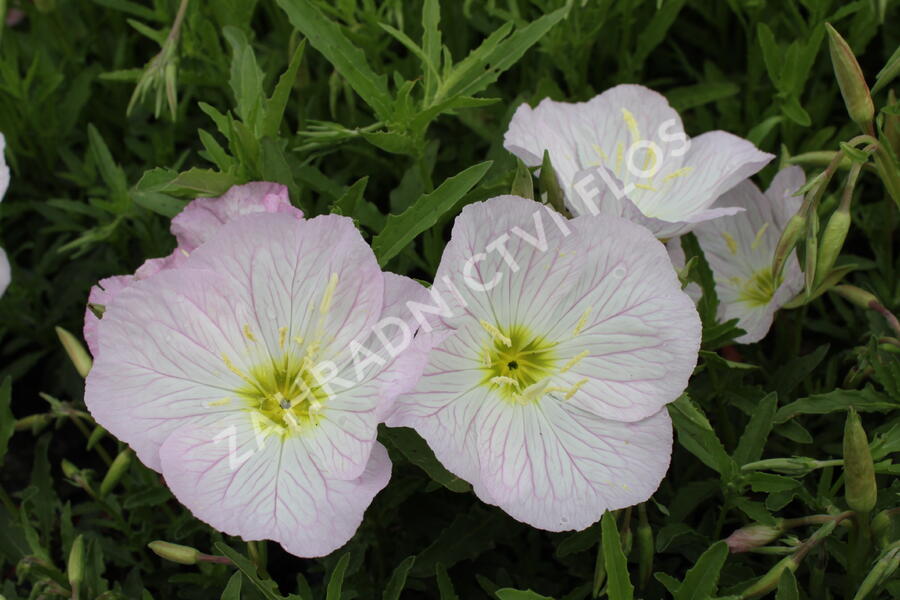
678, 173
620, 157
644, 186
231, 367
582, 321
574, 361
222, 402
759, 236
600, 153
732, 243
496, 334
572, 391
248, 333
329, 294
632, 125
297, 340
185, 252
503, 380
282, 337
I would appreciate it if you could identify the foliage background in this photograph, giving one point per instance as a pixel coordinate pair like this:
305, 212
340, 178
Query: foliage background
93, 186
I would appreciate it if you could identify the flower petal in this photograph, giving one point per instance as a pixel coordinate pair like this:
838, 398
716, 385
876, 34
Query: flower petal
244, 482
102, 293
202, 217
4, 272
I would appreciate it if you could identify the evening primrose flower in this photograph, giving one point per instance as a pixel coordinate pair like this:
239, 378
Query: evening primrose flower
739, 250
253, 375
199, 220
625, 153
563, 340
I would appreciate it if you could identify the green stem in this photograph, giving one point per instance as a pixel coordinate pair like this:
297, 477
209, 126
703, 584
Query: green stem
8, 503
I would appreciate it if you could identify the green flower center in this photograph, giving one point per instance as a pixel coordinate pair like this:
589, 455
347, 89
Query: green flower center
515, 359
759, 289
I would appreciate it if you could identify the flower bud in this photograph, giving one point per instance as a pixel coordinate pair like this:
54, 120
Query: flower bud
117, 469
792, 233
550, 186
753, 536
812, 251
184, 555
832, 241
69, 470
795, 465
769, 581
77, 354
883, 569
851, 81
646, 549
75, 566
860, 489
857, 296
882, 526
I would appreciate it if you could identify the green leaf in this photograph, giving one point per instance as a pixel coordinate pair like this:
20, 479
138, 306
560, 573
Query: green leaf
770, 483
523, 181
401, 229
772, 55
431, 45
416, 451
511, 594
445, 585
700, 581
392, 141
864, 400
890, 70
670, 583
397, 581
246, 78
789, 376
654, 32
691, 96
787, 586
277, 103
327, 37
469, 535
753, 440
698, 437
336, 581
495, 55
111, 173
7, 421
267, 587
791, 108
232, 591
618, 585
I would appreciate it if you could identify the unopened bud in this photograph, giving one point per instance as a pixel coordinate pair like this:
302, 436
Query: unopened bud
97, 309
117, 469
851, 80
882, 526
883, 569
860, 489
75, 565
68, 469
795, 465
550, 186
646, 550
769, 581
184, 555
793, 231
77, 354
832, 241
857, 296
753, 536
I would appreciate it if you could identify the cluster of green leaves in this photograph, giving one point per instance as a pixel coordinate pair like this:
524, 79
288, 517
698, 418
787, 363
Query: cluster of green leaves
393, 113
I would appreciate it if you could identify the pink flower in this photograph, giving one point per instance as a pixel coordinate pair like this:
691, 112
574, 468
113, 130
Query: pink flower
4, 185
254, 373
563, 342
197, 223
625, 153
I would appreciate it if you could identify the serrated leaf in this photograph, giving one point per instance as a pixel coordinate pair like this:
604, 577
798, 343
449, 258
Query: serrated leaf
397, 581
246, 78
753, 440
864, 400
697, 436
277, 103
618, 586
327, 37
401, 229
267, 587
791, 108
700, 581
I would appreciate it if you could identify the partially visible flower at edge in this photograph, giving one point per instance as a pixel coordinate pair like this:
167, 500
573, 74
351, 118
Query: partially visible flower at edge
624, 152
195, 224
4, 185
739, 250
564, 340
237, 375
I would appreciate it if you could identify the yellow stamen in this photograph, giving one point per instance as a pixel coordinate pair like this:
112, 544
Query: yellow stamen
600, 153
231, 367
759, 236
574, 361
503, 380
574, 389
582, 321
644, 186
732, 243
632, 125
678, 173
496, 334
620, 156
248, 333
329, 294
222, 402
282, 337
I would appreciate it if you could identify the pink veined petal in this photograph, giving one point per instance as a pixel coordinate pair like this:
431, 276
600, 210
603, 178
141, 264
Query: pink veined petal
4, 272
202, 217
284, 268
4, 168
102, 294
781, 194
243, 482
558, 468
161, 357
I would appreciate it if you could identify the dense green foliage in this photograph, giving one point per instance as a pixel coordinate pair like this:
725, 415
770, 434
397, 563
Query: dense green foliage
393, 113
